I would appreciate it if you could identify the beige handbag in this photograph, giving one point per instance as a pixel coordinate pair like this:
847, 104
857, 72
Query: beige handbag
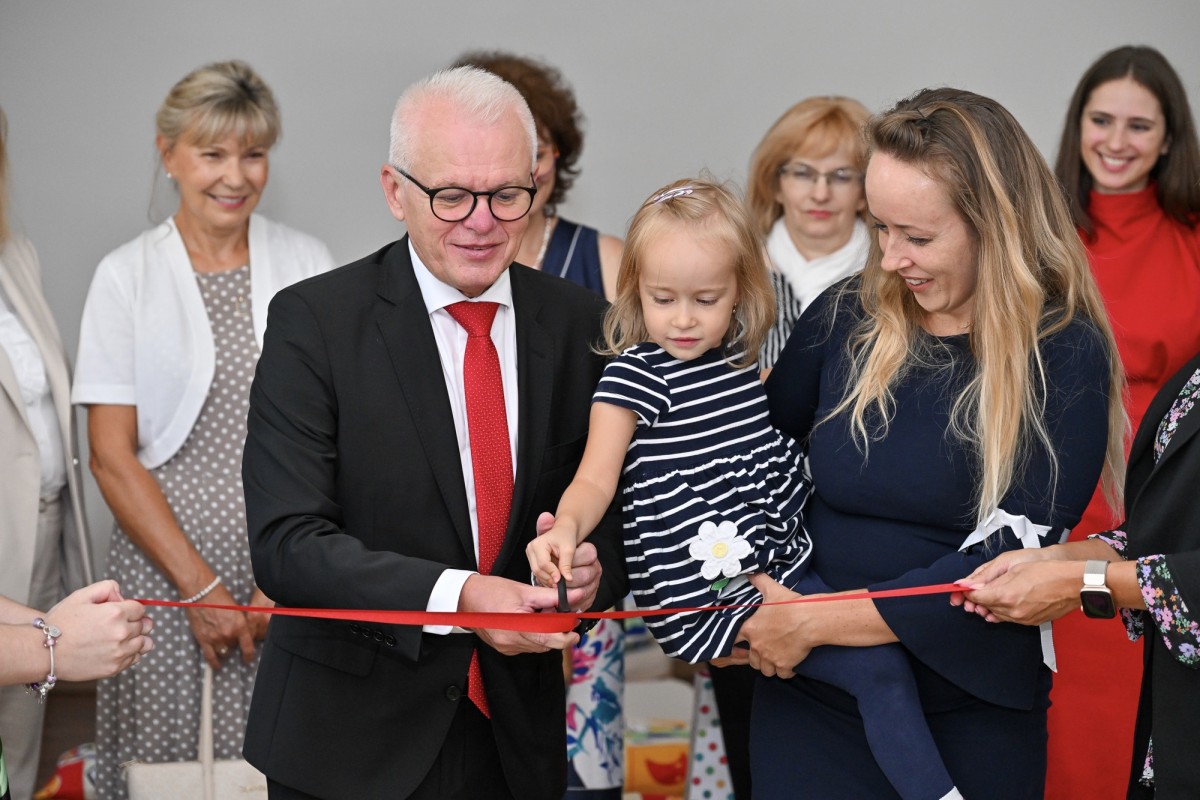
205, 779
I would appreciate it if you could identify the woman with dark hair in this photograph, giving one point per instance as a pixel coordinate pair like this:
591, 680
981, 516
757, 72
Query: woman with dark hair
1130, 164
1148, 569
553, 244
959, 399
595, 668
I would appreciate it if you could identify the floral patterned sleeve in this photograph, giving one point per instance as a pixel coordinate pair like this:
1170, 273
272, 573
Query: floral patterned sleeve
1166, 608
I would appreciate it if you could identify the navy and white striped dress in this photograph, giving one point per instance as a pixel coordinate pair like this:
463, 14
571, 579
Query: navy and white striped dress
706, 479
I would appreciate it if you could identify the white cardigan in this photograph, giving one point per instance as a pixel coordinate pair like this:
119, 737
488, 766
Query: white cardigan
145, 339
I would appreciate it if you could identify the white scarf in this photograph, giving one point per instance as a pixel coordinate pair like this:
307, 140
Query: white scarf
809, 278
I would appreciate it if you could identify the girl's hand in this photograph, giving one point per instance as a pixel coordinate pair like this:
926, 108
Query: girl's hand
220, 631
551, 552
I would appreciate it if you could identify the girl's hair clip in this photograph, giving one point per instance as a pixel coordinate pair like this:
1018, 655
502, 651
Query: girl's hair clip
671, 194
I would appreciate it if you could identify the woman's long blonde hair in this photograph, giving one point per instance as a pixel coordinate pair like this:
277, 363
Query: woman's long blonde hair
1033, 280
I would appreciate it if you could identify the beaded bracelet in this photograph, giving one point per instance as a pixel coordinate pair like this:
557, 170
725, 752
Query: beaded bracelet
200, 595
52, 633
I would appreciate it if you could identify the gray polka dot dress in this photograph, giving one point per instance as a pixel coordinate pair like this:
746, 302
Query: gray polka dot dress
151, 712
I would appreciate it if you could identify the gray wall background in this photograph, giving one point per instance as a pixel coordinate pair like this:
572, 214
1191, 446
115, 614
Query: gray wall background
668, 88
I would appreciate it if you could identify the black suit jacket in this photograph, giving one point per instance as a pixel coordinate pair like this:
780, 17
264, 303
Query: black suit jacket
355, 499
1162, 504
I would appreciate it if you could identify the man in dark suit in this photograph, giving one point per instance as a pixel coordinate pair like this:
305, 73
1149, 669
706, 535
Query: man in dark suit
363, 485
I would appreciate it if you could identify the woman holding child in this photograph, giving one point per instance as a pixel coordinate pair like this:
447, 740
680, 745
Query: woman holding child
959, 399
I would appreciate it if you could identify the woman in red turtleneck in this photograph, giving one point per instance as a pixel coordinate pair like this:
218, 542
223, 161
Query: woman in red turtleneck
1130, 164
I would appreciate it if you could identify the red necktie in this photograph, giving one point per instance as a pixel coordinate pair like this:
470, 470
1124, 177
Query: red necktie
491, 453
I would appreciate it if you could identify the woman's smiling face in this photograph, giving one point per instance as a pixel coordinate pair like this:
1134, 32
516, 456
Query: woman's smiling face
925, 242
1122, 135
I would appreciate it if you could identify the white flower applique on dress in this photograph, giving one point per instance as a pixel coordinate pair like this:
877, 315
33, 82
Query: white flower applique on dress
720, 551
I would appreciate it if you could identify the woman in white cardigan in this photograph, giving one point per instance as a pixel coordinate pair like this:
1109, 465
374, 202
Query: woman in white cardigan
806, 195
171, 331
44, 546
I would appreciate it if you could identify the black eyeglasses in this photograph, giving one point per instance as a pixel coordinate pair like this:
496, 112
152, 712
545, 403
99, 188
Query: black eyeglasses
454, 203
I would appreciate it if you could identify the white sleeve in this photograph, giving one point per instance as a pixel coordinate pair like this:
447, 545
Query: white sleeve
104, 365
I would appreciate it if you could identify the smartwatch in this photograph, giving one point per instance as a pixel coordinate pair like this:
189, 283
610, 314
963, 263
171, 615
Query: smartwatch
1095, 598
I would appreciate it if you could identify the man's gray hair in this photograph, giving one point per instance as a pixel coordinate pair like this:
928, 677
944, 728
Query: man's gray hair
476, 92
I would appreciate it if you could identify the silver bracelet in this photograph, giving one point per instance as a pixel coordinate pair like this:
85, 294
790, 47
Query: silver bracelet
203, 593
52, 633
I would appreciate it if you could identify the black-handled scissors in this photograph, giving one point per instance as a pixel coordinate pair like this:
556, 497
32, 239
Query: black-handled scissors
584, 625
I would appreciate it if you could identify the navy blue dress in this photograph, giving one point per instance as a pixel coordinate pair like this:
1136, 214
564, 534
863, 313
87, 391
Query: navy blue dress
574, 253
896, 517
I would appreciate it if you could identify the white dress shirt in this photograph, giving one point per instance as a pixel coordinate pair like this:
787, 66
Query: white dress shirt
30, 370
451, 341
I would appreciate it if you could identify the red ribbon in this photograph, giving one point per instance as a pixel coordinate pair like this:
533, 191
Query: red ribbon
544, 622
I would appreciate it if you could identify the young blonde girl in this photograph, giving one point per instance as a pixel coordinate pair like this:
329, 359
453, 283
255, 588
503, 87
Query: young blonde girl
711, 492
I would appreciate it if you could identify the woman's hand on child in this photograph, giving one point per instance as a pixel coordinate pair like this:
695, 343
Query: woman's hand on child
775, 638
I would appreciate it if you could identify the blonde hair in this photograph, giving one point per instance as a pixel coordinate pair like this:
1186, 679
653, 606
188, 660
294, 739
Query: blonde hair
3, 178
216, 100
1033, 279
818, 127
710, 211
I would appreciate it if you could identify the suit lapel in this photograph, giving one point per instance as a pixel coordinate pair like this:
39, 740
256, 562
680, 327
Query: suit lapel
1188, 426
14, 292
535, 386
1141, 454
403, 321
26, 299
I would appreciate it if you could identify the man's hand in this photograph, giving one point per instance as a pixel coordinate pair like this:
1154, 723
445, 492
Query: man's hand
493, 594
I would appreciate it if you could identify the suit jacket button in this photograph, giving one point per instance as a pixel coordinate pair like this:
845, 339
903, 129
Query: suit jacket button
355, 629
377, 635
389, 640
453, 693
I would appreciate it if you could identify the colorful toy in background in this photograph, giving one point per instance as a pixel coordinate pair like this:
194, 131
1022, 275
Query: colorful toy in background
656, 752
75, 777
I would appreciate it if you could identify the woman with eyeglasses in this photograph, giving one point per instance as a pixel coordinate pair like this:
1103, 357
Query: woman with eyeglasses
595, 668
171, 333
1130, 163
805, 193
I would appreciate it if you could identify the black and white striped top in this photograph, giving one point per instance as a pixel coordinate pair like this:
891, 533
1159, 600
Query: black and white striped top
706, 478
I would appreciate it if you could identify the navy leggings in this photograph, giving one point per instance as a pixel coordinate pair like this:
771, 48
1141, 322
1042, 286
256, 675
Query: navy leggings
881, 680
